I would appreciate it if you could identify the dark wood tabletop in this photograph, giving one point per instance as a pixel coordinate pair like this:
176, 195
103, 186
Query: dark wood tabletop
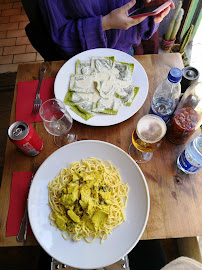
175, 198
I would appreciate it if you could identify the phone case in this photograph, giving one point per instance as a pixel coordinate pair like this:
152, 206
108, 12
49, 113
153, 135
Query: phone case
151, 13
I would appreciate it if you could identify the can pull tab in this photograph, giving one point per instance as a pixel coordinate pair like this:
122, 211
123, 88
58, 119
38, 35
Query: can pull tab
18, 131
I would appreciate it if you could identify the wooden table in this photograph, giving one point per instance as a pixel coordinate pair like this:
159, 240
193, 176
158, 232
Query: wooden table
176, 201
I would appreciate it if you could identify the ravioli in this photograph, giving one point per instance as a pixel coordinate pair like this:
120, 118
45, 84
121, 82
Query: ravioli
82, 83
125, 71
83, 67
97, 63
100, 85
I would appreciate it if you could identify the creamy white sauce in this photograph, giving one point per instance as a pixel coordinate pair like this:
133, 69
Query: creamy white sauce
99, 81
82, 83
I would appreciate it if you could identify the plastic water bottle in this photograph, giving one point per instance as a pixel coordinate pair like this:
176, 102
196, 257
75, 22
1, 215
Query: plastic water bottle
167, 94
190, 160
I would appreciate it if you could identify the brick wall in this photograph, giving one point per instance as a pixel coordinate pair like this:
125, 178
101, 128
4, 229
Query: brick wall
15, 47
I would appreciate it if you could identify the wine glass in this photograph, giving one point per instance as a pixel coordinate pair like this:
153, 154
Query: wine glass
146, 138
57, 121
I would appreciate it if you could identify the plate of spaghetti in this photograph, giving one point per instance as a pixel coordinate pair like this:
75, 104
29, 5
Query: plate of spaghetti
88, 204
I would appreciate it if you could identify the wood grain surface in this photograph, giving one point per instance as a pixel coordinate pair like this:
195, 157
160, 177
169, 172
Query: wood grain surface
176, 201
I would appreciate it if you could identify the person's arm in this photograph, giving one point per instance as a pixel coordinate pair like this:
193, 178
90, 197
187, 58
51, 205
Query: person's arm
72, 36
147, 28
159, 17
118, 18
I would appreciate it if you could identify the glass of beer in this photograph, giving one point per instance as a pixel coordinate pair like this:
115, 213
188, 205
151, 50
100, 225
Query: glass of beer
146, 138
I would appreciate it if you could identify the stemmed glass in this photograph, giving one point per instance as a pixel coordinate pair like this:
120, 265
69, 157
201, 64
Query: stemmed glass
146, 138
57, 121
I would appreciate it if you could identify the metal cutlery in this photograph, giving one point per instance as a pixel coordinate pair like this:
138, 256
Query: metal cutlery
120, 265
22, 234
37, 100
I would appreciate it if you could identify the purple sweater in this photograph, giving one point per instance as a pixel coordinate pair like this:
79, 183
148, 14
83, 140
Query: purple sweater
76, 25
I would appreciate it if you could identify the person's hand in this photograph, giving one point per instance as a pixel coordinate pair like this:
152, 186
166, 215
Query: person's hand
159, 17
118, 18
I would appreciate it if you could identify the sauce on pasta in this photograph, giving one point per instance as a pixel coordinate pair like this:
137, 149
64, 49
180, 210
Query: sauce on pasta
87, 199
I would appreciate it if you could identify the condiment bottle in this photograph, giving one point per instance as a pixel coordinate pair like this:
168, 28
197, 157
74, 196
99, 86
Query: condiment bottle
190, 160
190, 75
167, 94
188, 115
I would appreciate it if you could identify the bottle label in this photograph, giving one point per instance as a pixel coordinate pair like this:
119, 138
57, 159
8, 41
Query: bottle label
164, 117
186, 165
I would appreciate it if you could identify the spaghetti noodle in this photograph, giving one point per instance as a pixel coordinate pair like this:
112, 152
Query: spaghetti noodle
87, 199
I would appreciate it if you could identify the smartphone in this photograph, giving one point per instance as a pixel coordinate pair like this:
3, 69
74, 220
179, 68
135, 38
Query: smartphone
148, 11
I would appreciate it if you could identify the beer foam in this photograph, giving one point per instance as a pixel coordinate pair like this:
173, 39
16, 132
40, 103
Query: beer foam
151, 128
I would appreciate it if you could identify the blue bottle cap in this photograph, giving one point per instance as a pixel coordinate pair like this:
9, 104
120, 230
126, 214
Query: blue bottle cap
175, 75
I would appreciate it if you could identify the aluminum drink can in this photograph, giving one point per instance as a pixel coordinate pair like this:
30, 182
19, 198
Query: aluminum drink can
190, 160
25, 138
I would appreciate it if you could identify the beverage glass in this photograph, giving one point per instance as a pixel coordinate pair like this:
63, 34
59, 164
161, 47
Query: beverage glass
146, 138
57, 121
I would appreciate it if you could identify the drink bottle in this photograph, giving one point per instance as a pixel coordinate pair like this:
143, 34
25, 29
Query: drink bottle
167, 94
190, 160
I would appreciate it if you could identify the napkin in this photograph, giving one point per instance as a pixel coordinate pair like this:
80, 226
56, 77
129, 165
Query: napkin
26, 92
18, 200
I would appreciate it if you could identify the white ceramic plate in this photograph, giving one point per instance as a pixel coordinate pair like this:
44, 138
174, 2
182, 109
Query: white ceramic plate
139, 79
123, 238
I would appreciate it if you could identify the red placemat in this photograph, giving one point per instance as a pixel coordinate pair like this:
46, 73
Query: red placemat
18, 200
26, 92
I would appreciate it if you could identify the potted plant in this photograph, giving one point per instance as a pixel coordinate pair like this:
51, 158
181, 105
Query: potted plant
181, 47
169, 37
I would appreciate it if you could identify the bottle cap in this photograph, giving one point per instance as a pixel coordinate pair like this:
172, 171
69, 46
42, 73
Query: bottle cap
175, 75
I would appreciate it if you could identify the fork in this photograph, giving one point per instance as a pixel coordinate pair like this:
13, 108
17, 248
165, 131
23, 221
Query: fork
22, 234
37, 100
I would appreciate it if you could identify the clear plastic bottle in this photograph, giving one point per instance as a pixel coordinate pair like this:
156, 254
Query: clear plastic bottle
167, 94
190, 160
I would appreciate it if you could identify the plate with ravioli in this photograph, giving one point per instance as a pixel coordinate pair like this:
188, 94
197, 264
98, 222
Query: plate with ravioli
102, 87
88, 204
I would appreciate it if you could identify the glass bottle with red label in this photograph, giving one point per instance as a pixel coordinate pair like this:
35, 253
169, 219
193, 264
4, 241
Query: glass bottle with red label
188, 115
